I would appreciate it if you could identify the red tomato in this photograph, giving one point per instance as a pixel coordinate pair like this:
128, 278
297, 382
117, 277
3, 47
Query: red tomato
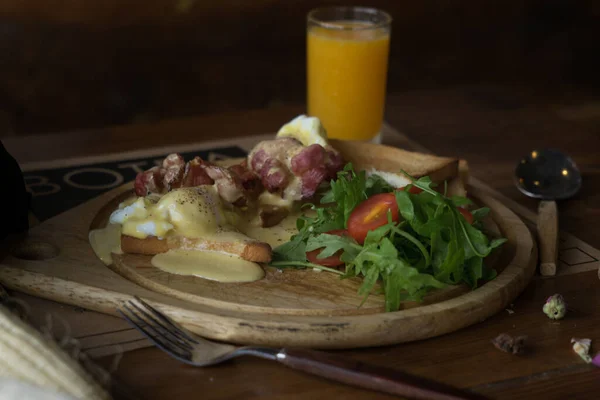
371, 214
467, 214
413, 189
331, 261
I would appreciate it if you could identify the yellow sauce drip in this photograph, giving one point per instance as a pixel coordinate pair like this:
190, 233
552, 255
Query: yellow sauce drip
275, 235
105, 241
214, 266
274, 200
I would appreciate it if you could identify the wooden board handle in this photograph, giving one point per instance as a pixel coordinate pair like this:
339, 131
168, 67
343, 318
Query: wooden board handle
372, 377
547, 227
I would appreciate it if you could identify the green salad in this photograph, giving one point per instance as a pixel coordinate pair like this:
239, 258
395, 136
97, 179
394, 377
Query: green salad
412, 239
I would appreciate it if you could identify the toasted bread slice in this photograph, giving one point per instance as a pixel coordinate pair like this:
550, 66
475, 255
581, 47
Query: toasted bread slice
391, 159
457, 186
251, 250
378, 158
463, 172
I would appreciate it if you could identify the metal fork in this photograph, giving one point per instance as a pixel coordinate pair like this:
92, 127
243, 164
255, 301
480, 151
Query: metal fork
191, 349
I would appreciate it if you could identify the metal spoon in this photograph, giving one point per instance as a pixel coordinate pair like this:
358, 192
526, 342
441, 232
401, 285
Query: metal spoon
549, 175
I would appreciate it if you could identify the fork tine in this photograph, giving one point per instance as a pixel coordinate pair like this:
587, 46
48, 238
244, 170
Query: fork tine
162, 333
150, 329
179, 329
182, 355
165, 330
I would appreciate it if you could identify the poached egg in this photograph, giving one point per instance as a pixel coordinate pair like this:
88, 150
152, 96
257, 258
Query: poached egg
191, 212
307, 130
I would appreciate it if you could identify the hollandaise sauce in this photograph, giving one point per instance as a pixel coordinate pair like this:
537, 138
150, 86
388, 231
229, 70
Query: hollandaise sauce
190, 212
105, 241
275, 235
208, 265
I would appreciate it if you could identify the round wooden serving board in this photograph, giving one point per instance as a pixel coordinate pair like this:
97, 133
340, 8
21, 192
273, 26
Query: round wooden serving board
303, 307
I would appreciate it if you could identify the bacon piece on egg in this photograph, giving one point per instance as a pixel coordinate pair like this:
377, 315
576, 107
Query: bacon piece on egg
173, 166
285, 165
228, 187
149, 181
308, 158
311, 180
269, 161
333, 162
195, 175
235, 184
250, 182
173, 173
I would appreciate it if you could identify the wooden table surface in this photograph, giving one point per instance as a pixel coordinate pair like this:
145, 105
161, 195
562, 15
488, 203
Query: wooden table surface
491, 128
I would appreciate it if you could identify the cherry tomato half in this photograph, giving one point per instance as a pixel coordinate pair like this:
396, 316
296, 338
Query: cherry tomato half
331, 261
467, 214
413, 189
371, 214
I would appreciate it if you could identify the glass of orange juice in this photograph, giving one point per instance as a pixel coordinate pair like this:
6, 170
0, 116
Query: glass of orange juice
347, 63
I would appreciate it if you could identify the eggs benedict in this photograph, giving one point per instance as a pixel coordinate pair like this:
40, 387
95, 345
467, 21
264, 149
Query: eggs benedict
191, 218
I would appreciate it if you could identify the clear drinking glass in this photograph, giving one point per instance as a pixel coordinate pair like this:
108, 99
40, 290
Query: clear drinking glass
347, 63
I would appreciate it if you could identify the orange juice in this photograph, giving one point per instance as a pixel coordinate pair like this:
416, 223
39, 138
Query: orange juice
346, 74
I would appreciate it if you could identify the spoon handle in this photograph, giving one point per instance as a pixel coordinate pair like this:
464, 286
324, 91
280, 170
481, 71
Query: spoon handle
547, 227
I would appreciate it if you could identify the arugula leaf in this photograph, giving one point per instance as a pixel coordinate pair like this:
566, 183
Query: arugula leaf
480, 213
330, 244
460, 201
405, 205
474, 271
421, 211
376, 184
376, 235
415, 242
424, 183
346, 192
497, 242
476, 243
293, 250
450, 260
371, 277
404, 282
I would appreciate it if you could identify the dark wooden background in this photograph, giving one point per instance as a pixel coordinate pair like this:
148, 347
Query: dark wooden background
73, 64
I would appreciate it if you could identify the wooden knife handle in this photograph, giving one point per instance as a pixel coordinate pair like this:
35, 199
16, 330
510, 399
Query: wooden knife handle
372, 377
547, 227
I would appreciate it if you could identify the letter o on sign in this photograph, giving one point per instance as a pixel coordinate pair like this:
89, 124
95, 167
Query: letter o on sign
117, 178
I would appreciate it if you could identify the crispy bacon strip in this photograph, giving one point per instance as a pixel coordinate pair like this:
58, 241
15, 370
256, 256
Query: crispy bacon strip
173, 166
235, 184
250, 182
149, 181
228, 185
195, 175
